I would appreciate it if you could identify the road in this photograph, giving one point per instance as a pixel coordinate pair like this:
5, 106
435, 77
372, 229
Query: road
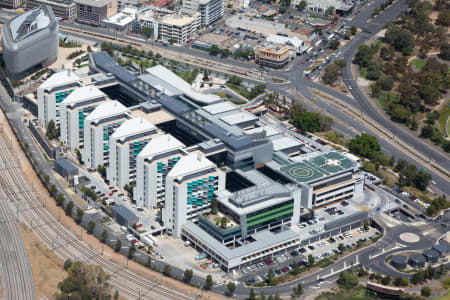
17, 276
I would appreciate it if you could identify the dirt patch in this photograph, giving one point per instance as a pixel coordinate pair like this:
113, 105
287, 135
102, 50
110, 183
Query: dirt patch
46, 266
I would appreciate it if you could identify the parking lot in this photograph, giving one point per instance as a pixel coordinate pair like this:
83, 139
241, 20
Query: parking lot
175, 252
283, 263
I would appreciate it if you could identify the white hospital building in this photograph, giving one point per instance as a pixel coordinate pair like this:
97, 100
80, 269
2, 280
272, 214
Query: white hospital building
99, 125
190, 188
74, 109
124, 146
154, 162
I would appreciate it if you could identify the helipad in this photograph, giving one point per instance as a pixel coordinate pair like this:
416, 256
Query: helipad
319, 166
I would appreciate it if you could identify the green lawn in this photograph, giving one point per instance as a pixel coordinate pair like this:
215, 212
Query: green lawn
385, 98
363, 72
444, 115
418, 63
239, 89
446, 297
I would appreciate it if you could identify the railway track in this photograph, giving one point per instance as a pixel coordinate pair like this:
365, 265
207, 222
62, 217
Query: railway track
17, 275
63, 242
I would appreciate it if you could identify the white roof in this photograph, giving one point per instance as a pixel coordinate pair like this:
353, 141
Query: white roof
190, 164
37, 18
161, 144
270, 130
120, 19
221, 107
238, 118
129, 11
107, 109
132, 127
82, 94
60, 78
174, 80
278, 39
284, 142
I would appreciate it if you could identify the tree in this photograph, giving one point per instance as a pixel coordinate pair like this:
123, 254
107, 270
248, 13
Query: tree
340, 63
331, 74
427, 131
67, 264
386, 83
69, 208
262, 296
91, 227
84, 282
167, 271
187, 276
445, 51
208, 283
205, 75
353, 30
131, 251
79, 215
214, 206
365, 145
310, 261
399, 113
116, 295
386, 53
104, 236
252, 295
302, 5
225, 53
270, 277
223, 222
334, 44
118, 246
363, 56
422, 180
214, 50
283, 10
443, 18
52, 132
401, 39
425, 291
60, 199
330, 10
341, 247
407, 175
366, 225
347, 280
401, 281
298, 290
231, 287
102, 170
386, 280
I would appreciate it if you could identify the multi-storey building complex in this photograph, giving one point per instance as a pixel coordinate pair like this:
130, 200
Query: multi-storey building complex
261, 180
272, 55
99, 125
210, 10
325, 178
52, 92
124, 146
178, 28
190, 188
74, 109
30, 40
154, 162
64, 9
10, 3
92, 12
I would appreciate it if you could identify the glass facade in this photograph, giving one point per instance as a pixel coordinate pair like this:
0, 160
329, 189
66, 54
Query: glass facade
200, 192
270, 215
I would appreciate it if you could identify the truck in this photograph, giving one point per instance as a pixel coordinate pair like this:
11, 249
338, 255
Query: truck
147, 241
201, 256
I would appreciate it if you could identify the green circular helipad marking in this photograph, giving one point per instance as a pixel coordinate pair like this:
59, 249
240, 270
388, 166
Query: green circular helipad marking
301, 172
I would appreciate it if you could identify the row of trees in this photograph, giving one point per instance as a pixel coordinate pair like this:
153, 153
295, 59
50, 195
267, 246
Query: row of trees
307, 121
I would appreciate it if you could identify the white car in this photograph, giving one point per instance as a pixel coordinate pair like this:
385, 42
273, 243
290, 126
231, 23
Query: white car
130, 237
